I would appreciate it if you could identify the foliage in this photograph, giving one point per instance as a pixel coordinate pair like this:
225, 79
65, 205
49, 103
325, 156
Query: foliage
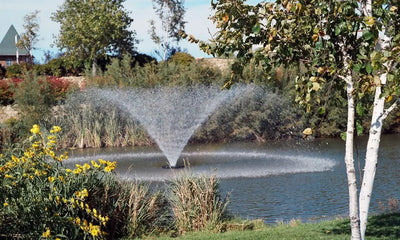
121, 73
41, 198
197, 203
35, 96
182, 58
348, 45
7, 91
14, 70
30, 37
91, 29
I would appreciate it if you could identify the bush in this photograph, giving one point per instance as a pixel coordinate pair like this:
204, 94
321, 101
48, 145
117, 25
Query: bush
182, 58
7, 90
197, 204
42, 198
34, 98
14, 71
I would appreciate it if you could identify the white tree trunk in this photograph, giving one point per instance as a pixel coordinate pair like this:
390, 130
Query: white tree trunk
349, 151
349, 161
371, 157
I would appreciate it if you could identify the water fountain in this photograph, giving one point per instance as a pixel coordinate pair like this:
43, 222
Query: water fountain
170, 114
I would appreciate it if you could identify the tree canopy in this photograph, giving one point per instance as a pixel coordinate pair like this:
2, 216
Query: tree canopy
351, 46
91, 29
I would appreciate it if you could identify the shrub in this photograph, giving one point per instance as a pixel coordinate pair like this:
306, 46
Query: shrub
7, 91
197, 204
14, 70
34, 98
42, 198
182, 58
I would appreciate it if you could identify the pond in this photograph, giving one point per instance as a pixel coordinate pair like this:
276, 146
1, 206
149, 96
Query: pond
279, 181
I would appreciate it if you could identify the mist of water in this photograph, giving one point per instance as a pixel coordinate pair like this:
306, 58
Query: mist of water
170, 114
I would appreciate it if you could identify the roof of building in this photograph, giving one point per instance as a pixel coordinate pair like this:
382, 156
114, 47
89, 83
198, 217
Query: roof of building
8, 44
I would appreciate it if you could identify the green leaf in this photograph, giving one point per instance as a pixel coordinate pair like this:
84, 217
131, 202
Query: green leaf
359, 128
337, 30
368, 35
321, 110
360, 110
343, 136
318, 45
368, 68
357, 67
256, 28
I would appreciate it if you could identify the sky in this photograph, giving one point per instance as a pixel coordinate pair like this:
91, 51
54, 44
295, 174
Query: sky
197, 14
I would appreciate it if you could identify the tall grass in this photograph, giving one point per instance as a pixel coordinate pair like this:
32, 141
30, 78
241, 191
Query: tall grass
197, 203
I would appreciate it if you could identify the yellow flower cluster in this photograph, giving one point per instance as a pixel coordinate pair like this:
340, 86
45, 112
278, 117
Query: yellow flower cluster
94, 230
35, 129
55, 129
35, 166
82, 194
108, 167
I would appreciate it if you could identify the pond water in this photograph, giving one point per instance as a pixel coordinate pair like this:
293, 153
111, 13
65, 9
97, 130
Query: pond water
276, 181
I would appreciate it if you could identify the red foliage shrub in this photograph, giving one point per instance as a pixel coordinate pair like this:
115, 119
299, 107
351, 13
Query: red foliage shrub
7, 91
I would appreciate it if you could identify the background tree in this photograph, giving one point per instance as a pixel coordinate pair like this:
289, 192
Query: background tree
30, 37
92, 29
351, 45
171, 13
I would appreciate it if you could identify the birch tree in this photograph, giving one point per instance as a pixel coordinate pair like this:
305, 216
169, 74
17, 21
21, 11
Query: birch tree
347, 45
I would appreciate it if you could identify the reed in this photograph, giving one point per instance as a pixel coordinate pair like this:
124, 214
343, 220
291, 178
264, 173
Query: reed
197, 203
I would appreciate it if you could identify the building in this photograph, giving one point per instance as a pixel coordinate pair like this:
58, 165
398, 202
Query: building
9, 52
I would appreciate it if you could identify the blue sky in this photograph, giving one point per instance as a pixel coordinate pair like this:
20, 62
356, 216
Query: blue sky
197, 13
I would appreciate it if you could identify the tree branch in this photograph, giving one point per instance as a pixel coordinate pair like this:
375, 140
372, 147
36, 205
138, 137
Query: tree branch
390, 109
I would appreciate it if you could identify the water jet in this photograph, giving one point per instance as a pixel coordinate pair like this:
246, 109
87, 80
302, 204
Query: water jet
170, 114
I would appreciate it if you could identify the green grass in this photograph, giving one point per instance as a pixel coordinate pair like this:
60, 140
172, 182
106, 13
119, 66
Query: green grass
384, 226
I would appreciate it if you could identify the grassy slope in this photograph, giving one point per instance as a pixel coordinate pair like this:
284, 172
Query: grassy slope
385, 226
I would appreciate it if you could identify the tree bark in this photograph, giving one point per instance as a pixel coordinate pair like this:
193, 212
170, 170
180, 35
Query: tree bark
375, 132
349, 151
350, 169
371, 159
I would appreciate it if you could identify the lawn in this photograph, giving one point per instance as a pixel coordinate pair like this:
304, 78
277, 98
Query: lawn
384, 226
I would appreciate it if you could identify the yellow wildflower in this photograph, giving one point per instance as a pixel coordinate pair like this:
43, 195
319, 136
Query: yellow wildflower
5, 204
29, 154
86, 166
77, 221
7, 176
35, 129
85, 192
37, 173
47, 233
77, 170
55, 129
102, 161
51, 179
15, 159
95, 164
